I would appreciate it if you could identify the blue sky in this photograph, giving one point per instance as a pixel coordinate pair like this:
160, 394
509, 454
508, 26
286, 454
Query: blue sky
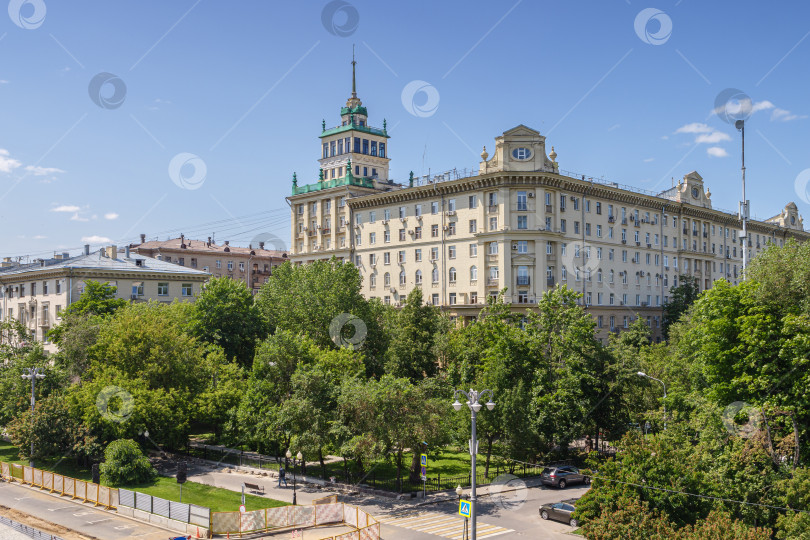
244, 87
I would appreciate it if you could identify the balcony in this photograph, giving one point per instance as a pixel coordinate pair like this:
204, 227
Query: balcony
492, 282
549, 209
523, 281
492, 209
549, 282
611, 219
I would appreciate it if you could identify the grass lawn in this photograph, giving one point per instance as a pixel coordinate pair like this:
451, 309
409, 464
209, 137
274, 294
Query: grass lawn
446, 464
217, 499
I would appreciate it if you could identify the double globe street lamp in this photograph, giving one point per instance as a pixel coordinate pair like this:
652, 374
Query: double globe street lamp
473, 402
33, 374
300, 458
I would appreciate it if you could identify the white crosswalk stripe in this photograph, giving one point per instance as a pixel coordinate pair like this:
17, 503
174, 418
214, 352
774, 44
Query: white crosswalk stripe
443, 525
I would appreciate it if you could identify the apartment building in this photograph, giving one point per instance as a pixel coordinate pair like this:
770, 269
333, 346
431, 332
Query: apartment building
36, 293
253, 265
523, 225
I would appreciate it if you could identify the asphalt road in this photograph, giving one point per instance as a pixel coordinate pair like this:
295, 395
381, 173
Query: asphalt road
502, 516
82, 518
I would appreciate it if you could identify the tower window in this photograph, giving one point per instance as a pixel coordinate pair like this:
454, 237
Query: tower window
357, 170
365, 171
325, 150
340, 146
332, 148
373, 148
382, 149
357, 145
362, 122
365, 146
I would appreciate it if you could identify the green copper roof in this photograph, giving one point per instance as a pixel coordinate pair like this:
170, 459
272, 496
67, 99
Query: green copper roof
355, 127
353, 110
349, 180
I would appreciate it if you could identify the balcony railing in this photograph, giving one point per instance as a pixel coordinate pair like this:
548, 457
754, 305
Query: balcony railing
523, 281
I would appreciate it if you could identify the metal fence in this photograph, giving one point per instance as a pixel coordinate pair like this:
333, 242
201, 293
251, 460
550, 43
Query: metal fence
185, 513
441, 482
231, 456
31, 532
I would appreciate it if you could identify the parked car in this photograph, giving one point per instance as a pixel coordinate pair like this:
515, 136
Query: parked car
560, 511
563, 476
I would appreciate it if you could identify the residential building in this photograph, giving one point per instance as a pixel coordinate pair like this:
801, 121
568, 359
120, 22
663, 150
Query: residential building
35, 294
252, 265
522, 225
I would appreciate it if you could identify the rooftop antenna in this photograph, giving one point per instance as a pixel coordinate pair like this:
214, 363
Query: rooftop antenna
354, 81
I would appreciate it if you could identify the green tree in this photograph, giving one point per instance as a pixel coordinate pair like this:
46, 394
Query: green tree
414, 333
784, 276
125, 464
97, 299
225, 314
312, 298
680, 298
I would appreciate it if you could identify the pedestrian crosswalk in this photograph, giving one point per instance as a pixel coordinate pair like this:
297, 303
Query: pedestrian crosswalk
443, 525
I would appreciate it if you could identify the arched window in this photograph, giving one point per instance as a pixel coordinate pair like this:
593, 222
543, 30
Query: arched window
435, 275
473, 273
402, 278
418, 277
387, 279
452, 274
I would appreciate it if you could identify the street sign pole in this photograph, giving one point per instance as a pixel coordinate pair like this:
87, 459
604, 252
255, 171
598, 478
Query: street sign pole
423, 460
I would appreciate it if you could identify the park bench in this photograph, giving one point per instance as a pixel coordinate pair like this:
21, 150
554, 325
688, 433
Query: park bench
254, 488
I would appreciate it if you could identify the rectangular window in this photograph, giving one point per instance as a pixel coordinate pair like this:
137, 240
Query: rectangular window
163, 289
523, 246
523, 222
402, 235
434, 207
386, 236
434, 231
373, 148
598, 207
365, 146
417, 233
372, 216
185, 289
473, 226
451, 228
522, 204
417, 209
473, 201
417, 254
451, 205
451, 252
473, 250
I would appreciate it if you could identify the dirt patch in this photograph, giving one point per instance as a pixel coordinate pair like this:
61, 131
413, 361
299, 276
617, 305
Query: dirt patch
42, 525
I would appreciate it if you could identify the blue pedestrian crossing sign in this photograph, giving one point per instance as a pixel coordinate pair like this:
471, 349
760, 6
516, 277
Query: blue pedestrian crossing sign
424, 460
464, 508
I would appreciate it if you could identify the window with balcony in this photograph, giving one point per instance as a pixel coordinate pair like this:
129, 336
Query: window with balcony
523, 276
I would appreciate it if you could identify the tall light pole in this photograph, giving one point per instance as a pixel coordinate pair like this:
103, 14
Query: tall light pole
33, 374
473, 398
740, 125
642, 374
298, 457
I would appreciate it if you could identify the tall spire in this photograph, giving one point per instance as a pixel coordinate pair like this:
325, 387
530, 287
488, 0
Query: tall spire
354, 81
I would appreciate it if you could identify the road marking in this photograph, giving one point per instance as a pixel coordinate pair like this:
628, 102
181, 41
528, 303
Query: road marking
444, 525
21, 498
99, 521
123, 527
60, 508
84, 514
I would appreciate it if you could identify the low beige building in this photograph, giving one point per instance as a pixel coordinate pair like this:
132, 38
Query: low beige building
36, 293
520, 223
253, 265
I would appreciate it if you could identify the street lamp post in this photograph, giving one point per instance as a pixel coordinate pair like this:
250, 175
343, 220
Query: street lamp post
33, 374
740, 125
473, 398
642, 374
300, 458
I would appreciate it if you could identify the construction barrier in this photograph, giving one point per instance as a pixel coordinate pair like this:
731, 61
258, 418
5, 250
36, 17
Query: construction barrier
322, 512
62, 485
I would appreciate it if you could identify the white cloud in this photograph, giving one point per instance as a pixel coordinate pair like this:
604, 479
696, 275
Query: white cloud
7, 164
763, 105
648, 160
712, 138
95, 239
42, 171
716, 151
111, 215
3, 81
77, 217
40, 237
783, 115
65, 208
694, 127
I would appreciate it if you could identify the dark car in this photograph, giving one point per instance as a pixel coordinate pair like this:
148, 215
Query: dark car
563, 476
560, 511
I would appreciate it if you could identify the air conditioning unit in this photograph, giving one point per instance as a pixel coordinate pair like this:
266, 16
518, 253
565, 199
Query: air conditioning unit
649, 246
451, 212
638, 243
357, 226
632, 218
393, 290
446, 227
621, 303
514, 246
385, 222
419, 218
305, 228
531, 195
573, 198
403, 219
319, 226
410, 231
624, 241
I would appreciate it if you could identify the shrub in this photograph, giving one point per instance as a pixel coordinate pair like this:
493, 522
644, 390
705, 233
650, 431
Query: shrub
124, 463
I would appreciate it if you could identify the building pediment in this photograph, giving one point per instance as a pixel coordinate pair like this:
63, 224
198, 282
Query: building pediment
521, 131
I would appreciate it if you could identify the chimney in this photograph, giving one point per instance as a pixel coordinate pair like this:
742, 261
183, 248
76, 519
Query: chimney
87, 249
261, 245
227, 242
209, 242
127, 251
143, 238
112, 252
